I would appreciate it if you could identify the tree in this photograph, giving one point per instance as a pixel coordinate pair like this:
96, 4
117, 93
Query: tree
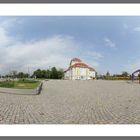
43, 74
37, 73
22, 75
54, 74
60, 73
125, 74
13, 74
48, 74
107, 75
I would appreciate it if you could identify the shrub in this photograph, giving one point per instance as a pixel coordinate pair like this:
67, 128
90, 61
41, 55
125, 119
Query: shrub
7, 84
27, 81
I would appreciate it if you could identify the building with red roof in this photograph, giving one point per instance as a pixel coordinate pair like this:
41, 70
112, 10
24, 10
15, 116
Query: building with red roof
78, 70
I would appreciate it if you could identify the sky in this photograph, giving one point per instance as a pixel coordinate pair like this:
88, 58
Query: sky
107, 43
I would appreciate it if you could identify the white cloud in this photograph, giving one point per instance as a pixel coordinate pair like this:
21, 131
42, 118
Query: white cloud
109, 43
56, 51
52, 51
137, 29
4, 38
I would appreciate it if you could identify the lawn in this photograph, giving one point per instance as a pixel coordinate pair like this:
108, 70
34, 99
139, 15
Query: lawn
20, 84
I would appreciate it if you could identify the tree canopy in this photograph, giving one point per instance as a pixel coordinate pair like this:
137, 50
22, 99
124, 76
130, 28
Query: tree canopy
49, 74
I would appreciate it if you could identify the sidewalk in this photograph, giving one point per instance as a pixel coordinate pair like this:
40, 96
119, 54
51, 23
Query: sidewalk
18, 91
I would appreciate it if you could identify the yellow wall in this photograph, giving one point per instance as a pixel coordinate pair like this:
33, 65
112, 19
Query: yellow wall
87, 71
77, 71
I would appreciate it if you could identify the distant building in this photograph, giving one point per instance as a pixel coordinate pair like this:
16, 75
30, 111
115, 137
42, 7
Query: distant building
79, 71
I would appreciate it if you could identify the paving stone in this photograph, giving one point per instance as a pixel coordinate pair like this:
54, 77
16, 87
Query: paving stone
74, 102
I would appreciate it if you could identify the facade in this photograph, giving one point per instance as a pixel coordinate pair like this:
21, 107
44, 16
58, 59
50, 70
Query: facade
79, 71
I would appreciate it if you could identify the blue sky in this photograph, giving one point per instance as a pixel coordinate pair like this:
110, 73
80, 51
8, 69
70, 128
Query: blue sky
107, 43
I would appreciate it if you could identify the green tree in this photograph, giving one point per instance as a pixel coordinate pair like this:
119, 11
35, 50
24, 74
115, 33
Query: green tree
48, 74
43, 74
14, 73
54, 74
22, 75
125, 74
107, 75
60, 73
37, 73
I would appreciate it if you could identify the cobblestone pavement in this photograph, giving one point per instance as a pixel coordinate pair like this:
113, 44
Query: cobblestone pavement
74, 102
